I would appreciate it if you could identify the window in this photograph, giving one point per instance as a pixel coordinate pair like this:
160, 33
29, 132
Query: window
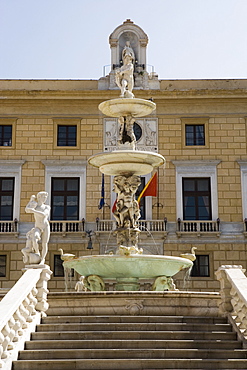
142, 204
11, 169
196, 199
66, 135
65, 198
194, 135
5, 135
197, 169
6, 198
243, 168
67, 169
137, 131
201, 266
3, 265
195, 132
58, 270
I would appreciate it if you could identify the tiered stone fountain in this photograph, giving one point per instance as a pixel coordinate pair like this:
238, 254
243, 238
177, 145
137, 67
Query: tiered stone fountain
127, 164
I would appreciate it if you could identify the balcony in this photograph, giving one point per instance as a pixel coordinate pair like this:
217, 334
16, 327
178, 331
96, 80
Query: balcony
67, 227
198, 228
9, 227
149, 226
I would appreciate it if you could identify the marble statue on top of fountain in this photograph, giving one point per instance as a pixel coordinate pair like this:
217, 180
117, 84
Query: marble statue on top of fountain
127, 213
124, 76
40, 232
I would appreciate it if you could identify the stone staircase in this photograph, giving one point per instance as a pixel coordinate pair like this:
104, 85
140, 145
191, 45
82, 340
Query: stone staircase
132, 342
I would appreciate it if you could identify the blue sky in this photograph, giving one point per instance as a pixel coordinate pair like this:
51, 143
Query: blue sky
68, 39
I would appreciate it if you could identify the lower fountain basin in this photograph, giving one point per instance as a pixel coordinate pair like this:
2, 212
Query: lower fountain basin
121, 162
132, 266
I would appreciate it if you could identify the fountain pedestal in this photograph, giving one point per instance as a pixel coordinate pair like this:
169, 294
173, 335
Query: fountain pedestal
127, 284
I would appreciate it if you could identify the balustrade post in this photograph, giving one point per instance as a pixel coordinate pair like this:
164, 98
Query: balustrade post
225, 305
42, 304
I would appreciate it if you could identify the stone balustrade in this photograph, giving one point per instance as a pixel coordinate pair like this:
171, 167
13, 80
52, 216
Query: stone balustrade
65, 227
9, 226
21, 310
198, 227
144, 225
233, 291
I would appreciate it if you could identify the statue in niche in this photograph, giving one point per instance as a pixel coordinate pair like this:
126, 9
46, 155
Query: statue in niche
127, 50
126, 131
124, 75
41, 231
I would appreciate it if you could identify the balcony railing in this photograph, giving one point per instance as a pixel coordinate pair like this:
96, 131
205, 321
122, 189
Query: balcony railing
144, 225
65, 227
198, 227
9, 226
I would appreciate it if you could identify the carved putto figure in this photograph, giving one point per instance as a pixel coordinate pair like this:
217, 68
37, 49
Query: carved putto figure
41, 231
127, 214
80, 286
127, 209
124, 75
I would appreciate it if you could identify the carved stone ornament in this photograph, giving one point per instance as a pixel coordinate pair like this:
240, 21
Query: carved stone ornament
94, 283
163, 283
134, 307
145, 130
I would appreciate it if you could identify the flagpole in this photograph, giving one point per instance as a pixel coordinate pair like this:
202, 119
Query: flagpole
158, 195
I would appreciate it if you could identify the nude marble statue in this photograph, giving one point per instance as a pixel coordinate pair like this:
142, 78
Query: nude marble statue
41, 231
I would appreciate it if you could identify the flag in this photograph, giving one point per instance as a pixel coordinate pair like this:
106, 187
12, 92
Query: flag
114, 206
150, 189
102, 199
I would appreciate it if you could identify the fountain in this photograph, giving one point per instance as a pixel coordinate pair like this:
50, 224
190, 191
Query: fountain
127, 164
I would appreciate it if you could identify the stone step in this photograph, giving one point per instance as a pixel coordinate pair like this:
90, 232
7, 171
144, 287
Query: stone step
132, 335
132, 353
133, 319
134, 327
130, 364
126, 344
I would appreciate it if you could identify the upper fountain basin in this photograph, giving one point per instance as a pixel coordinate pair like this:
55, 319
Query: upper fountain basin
132, 266
127, 107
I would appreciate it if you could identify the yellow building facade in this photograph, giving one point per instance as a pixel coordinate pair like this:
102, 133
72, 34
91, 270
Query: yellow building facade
49, 129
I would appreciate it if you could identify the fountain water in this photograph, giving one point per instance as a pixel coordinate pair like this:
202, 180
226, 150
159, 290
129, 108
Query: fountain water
127, 164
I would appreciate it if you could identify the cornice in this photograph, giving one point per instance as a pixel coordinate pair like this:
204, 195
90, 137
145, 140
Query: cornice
6, 95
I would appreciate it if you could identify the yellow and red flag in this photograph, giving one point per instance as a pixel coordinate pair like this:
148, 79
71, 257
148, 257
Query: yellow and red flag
151, 189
